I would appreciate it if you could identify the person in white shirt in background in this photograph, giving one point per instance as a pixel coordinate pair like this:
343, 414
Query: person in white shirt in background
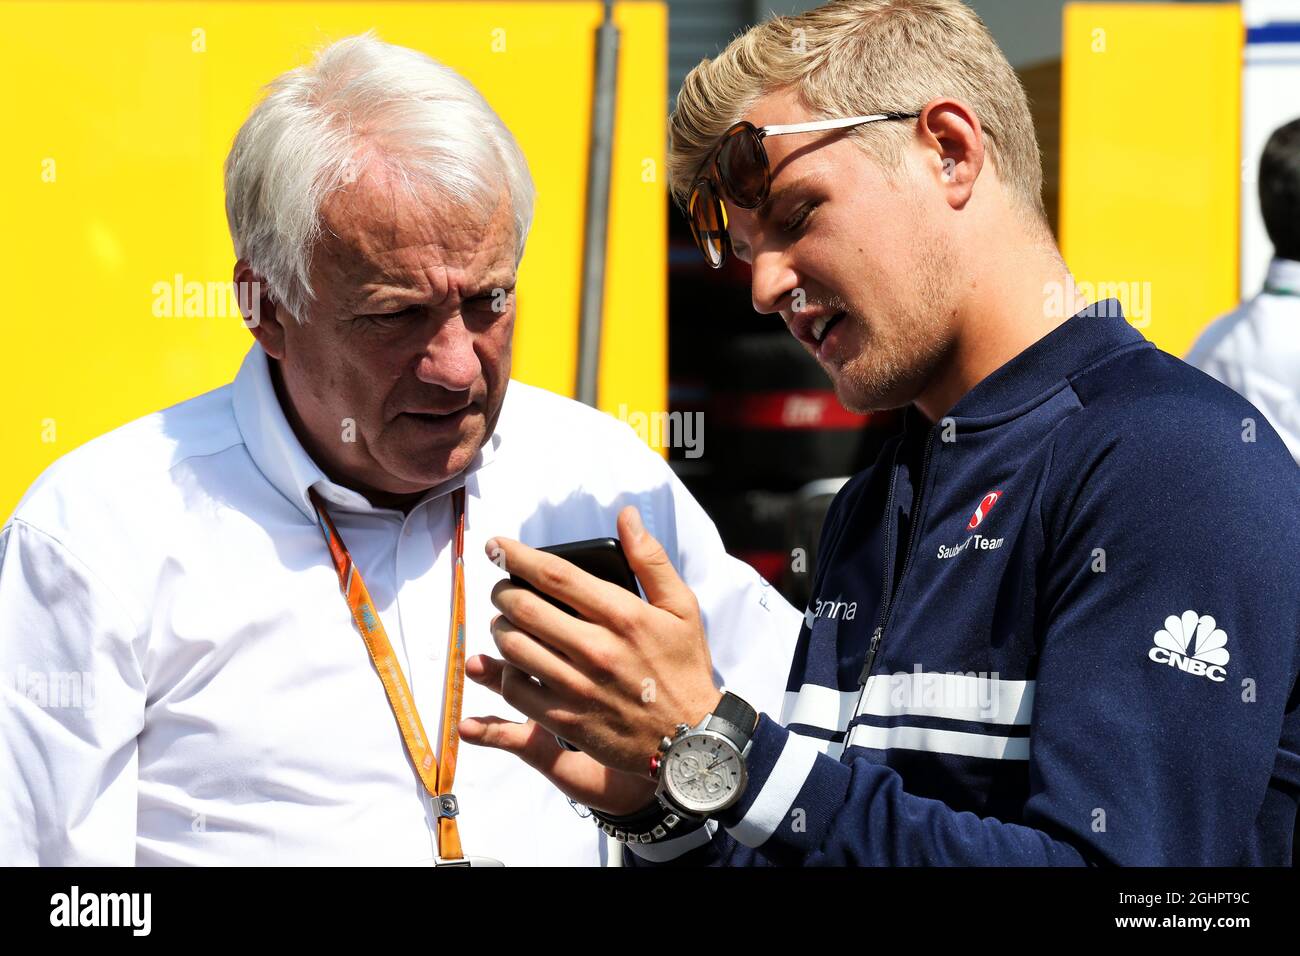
1255, 350
181, 678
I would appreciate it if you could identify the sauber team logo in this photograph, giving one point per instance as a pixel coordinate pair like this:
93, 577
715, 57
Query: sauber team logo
1193, 644
978, 542
981, 511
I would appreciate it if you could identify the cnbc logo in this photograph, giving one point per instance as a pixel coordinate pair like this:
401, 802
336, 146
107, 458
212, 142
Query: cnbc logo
1192, 644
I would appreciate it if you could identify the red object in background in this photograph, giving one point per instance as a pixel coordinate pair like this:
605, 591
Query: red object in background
792, 409
770, 564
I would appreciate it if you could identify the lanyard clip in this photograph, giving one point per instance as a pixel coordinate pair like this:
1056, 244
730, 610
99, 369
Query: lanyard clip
468, 861
446, 806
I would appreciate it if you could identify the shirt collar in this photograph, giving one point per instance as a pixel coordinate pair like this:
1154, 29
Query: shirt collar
1283, 277
1081, 340
278, 454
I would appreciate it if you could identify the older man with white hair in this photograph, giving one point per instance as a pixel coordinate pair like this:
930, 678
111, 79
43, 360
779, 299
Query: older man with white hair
264, 597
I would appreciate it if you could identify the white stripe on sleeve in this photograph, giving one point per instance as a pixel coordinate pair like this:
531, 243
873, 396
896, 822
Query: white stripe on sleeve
781, 787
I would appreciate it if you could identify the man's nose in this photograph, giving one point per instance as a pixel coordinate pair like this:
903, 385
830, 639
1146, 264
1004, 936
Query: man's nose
772, 282
449, 359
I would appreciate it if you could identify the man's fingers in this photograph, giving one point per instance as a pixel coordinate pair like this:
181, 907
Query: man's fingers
525, 652
530, 698
529, 741
485, 670
578, 776
517, 689
592, 598
545, 622
659, 579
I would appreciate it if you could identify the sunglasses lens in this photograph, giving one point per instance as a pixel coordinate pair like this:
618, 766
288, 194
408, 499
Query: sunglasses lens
706, 218
742, 167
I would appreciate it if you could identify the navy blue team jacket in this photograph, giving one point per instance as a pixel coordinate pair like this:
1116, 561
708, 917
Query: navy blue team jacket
1058, 626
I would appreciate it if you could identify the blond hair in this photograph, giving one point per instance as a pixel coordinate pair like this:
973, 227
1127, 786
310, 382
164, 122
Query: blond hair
857, 57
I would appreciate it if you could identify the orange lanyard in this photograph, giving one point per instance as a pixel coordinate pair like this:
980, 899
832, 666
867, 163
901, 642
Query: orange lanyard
437, 779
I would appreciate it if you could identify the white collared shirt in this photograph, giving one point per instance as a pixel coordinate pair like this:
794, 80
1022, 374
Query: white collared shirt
1255, 351
180, 678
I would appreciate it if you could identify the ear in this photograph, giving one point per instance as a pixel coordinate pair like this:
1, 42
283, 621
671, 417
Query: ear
950, 136
262, 315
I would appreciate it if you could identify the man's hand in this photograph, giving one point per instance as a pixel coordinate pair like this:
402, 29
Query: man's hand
576, 775
614, 682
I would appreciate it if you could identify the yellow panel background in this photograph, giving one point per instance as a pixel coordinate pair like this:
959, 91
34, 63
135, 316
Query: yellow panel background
119, 117
1150, 159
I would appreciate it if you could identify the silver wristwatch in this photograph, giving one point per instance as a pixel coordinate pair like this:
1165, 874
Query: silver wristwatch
702, 768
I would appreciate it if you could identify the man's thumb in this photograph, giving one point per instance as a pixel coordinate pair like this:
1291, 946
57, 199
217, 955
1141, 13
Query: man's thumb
649, 561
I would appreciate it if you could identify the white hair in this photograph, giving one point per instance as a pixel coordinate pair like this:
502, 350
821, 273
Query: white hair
361, 101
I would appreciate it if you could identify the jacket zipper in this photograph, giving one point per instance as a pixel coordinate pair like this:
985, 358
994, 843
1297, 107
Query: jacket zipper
878, 635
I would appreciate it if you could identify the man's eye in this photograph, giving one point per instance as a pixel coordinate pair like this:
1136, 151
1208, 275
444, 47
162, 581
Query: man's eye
801, 215
498, 300
391, 318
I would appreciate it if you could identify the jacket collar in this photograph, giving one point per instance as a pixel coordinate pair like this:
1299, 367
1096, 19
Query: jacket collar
278, 454
1026, 379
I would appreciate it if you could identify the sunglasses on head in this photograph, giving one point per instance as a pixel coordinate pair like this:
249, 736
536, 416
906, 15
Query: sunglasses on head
737, 167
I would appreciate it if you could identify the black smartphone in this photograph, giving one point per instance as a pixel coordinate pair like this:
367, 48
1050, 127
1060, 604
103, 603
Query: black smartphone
600, 557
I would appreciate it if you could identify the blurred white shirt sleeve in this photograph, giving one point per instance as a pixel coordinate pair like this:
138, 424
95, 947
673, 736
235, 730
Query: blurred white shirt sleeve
752, 629
72, 704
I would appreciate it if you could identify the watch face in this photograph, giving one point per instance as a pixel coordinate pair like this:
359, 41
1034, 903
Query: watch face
703, 773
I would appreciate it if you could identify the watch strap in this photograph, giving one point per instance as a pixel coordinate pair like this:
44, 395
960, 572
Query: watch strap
734, 719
